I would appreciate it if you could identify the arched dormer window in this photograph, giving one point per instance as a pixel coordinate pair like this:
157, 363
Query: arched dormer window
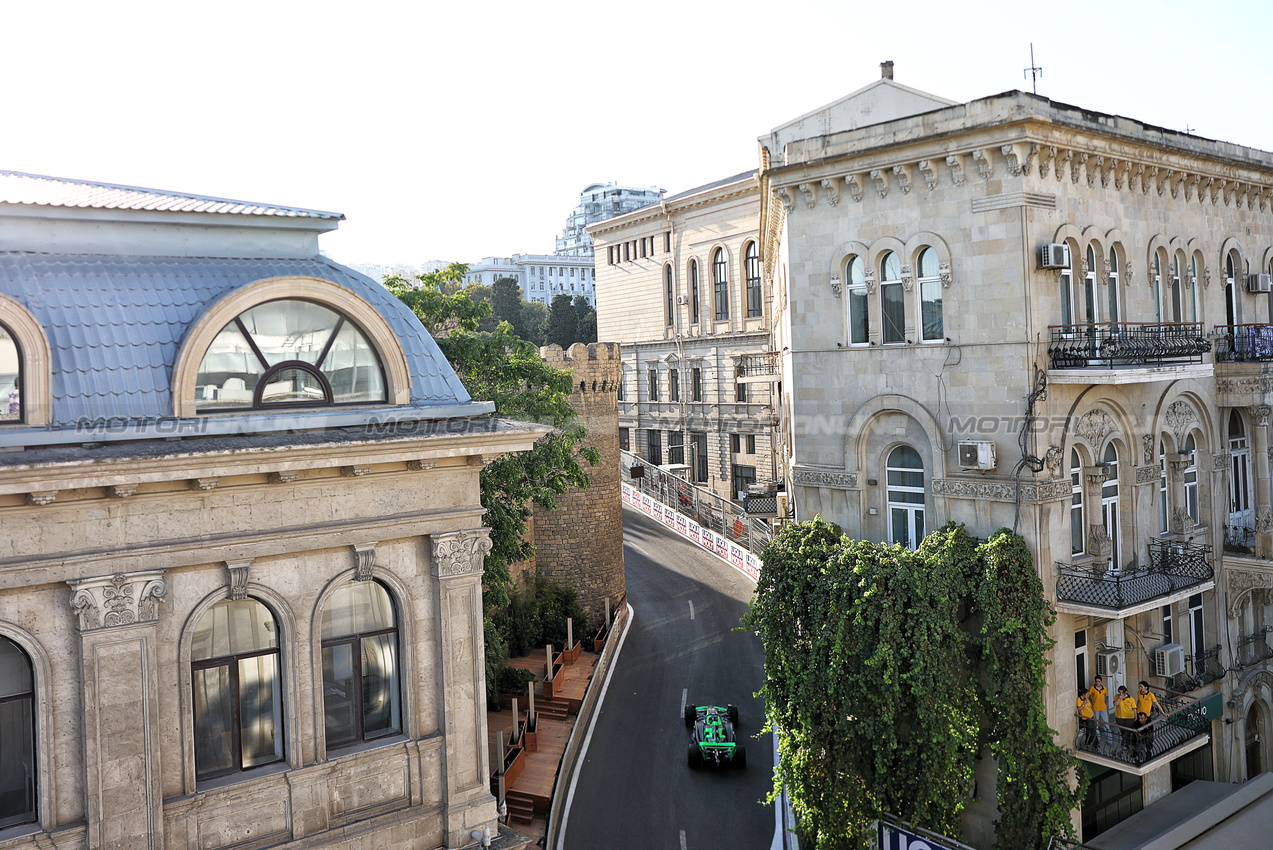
930, 297
10, 378
288, 353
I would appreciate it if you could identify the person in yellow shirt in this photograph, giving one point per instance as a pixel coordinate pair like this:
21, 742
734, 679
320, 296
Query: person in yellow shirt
1087, 729
1147, 702
1125, 714
1100, 709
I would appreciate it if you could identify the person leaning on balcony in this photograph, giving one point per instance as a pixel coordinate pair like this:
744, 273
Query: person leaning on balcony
1146, 702
1100, 708
1125, 714
1145, 746
1087, 729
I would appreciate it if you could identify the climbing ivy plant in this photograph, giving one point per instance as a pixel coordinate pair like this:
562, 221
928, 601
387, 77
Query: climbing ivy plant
888, 672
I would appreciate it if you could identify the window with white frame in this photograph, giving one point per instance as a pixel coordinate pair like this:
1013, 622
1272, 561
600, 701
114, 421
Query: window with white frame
1078, 532
1111, 286
905, 491
1197, 635
1110, 507
1177, 291
1191, 478
1230, 289
1066, 282
1241, 515
1164, 509
892, 299
10, 378
1156, 283
1191, 291
930, 297
859, 322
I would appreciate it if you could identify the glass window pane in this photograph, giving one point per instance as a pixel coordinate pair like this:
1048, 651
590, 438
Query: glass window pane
890, 267
928, 263
355, 608
931, 295
905, 457
290, 330
17, 762
260, 710
897, 478
901, 534
290, 386
229, 372
380, 685
15, 670
857, 272
233, 627
213, 721
340, 694
352, 368
893, 310
859, 329
10, 365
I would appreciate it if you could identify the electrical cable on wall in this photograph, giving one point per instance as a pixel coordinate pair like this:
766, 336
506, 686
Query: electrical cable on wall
1035, 464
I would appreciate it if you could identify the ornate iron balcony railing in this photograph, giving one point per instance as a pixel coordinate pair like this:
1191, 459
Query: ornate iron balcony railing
1254, 648
1239, 539
1126, 344
1244, 343
755, 365
1180, 722
1172, 567
1201, 670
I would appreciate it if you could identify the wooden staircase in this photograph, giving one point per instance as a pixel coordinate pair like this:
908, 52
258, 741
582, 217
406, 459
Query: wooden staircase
521, 807
554, 708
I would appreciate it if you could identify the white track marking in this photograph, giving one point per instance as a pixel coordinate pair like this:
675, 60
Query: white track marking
691, 601
682, 839
685, 695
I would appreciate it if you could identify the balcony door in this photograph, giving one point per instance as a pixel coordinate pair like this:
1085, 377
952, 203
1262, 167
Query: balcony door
905, 497
1109, 505
1241, 513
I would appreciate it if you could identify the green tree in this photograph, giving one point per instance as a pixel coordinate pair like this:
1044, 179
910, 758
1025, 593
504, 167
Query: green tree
588, 328
506, 304
563, 322
875, 659
536, 317
581, 305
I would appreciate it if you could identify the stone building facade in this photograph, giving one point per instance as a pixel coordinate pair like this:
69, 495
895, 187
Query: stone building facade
581, 542
241, 537
1012, 312
679, 287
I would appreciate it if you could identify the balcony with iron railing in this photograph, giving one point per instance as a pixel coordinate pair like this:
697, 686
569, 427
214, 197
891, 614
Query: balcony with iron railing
1180, 727
1239, 539
1254, 648
1200, 670
756, 368
1244, 343
1126, 345
1175, 569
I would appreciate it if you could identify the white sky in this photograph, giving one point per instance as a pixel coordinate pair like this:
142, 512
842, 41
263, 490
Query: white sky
461, 130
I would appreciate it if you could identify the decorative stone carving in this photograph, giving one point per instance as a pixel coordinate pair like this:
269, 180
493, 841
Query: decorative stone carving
788, 202
832, 190
903, 175
460, 553
868, 277
1095, 476
929, 175
855, 186
956, 165
1001, 491
1047, 153
1179, 417
364, 560
1181, 521
1147, 448
1191, 184
1052, 459
835, 285
1180, 461
204, 483
1129, 272
824, 478
121, 491
1137, 175
1221, 461
119, 600
421, 465
881, 182
984, 166
1098, 542
354, 471
1260, 414
1146, 474
1011, 160
1094, 426
908, 282
1206, 277
237, 571
943, 271
810, 197
286, 476
1263, 519
1121, 170
1163, 178
1066, 159
41, 497
1242, 582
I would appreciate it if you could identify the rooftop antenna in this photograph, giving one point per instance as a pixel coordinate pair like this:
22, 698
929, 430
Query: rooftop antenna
1034, 71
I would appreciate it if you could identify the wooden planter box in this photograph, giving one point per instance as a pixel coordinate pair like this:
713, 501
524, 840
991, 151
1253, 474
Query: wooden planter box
530, 738
552, 683
599, 640
514, 761
570, 656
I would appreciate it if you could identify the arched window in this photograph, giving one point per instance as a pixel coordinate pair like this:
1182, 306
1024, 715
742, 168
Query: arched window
1177, 291
855, 301
1191, 478
1164, 509
288, 353
930, 297
695, 300
1241, 515
892, 299
1230, 289
905, 475
1078, 532
720, 285
1157, 286
1111, 285
238, 701
1066, 279
10, 378
669, 301
1191, 291
361, 690
1109, 505
17, 736
755, 306
1089, 288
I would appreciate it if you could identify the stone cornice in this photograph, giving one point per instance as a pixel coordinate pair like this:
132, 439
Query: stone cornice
659, 212
1032, 492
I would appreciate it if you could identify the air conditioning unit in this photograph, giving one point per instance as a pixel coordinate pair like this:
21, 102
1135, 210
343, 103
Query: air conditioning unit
1169, 660
977, 454
680, 299
1259, 282
1054, 256
1109, 663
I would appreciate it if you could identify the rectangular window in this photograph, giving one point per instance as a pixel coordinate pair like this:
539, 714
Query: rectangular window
654, 447
609, 258
624, 440
722, 300
676, 447
696, 390
642, 246
751, 444
859, 323
1077, 531
893, 312
667, 242
740, 389
930, 293
627, 250
653, 394
674, 385
1080, 661
734, 441
699, 440
619, 389
1166, 623
1197, 637
743, 477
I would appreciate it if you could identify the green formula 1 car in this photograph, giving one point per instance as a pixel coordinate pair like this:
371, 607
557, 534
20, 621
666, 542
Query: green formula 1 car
713, 742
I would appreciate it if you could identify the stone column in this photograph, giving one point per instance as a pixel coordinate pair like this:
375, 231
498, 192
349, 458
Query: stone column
1098, 543
457, 565
1263, 497
117, 618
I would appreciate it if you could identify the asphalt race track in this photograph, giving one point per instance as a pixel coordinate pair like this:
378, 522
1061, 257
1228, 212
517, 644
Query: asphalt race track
634, 788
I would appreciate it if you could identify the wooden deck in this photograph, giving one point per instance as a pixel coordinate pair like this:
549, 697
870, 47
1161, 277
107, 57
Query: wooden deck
539, 776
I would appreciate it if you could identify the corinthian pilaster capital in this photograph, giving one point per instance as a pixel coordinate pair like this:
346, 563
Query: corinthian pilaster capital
460, 553
123, 599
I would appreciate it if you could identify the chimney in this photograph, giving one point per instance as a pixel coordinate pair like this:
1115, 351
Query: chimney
886, 70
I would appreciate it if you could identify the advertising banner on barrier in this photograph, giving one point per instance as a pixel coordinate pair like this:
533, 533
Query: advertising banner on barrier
731, 553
